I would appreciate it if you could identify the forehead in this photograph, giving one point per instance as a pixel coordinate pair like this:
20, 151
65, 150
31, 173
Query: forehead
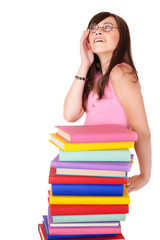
109, 19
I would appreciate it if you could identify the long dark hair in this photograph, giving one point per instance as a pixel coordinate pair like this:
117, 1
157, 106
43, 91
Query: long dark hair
122, 53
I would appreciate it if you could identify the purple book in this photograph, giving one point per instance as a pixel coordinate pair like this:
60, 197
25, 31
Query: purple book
112, 166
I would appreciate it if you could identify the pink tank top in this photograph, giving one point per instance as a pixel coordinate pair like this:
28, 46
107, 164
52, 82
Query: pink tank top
107, 110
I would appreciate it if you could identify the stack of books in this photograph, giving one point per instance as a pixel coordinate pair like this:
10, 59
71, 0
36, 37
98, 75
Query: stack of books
87, 196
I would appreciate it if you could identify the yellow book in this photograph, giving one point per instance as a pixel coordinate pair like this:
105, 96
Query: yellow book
66, 146
90, 200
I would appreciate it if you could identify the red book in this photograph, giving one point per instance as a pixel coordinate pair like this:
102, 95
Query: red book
42, 232
61, 179
56, 210
44, 237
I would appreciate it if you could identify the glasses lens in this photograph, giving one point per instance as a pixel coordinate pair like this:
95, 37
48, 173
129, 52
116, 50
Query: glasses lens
93, 27
107, 27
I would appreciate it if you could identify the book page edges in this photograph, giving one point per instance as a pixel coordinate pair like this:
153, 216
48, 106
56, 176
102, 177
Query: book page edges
90, 146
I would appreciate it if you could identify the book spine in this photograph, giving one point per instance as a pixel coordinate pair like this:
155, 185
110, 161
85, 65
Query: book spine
56, 210
61, 179
89, 218
84, 230
87, 190
96, 156
90, 172
84, 200
97, 146
111, 166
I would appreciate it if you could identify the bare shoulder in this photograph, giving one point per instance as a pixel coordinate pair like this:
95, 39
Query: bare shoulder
122, 74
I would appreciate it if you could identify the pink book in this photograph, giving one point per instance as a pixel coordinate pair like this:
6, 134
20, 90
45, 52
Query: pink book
84, 230
96, 133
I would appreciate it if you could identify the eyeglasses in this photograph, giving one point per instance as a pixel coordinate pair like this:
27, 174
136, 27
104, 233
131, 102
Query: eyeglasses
107, 27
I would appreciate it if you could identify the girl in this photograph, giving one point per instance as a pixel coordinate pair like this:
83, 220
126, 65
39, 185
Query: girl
107, 88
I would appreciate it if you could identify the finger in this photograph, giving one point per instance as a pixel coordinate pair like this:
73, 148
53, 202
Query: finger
87, 32
128, 182
83, 38
88, 45
91, 50
130, 186
131, 189
83, 34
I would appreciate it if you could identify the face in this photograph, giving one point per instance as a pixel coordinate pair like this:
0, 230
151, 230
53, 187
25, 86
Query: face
109, 39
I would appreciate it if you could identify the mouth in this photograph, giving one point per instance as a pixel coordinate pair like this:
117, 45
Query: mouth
99, 40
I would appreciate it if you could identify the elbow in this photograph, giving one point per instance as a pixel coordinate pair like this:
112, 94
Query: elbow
72, 118
145, 135
68, 117
72, 115
67, 114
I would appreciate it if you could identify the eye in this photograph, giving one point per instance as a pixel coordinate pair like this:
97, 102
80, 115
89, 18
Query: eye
93, 27
107, 27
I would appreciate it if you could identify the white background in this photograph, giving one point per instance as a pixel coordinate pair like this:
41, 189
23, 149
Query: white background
39, 56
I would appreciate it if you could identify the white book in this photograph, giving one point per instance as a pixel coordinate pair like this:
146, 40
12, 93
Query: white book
89, 172
91, 224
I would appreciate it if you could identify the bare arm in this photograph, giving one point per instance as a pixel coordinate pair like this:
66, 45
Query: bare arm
73, 109
129, 93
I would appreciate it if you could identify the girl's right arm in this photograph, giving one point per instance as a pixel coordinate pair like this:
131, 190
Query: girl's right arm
73, 110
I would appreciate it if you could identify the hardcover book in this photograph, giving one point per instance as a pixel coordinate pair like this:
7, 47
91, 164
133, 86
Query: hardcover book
46, 228
89, 218
87, 189
118, 155
90, 200
56, 210
79, 230
81, 224
65, 146
98, 133
113, 166
89, 172
68, 179
84, 230
44, 236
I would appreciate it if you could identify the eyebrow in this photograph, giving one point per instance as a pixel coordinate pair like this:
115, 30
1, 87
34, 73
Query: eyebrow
109, 23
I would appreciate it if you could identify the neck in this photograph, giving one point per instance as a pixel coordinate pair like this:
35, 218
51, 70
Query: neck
105, 59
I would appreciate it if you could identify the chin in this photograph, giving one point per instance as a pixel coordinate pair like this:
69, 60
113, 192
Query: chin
100, 50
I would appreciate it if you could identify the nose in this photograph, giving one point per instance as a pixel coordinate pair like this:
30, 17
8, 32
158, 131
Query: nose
98, 32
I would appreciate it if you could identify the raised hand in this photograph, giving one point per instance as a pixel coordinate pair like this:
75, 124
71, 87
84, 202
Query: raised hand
87, 56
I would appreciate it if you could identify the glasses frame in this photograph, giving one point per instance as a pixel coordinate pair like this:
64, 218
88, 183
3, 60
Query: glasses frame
97, 27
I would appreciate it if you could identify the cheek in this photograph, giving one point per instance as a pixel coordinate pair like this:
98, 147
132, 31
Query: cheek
90, 40
115, 39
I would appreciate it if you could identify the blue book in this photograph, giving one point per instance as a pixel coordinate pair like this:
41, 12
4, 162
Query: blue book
45, 224
87, 189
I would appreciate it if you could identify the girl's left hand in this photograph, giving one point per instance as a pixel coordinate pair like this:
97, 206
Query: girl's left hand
135, 183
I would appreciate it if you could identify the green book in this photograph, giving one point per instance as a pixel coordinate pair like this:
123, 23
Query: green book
89, 218
99, 155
